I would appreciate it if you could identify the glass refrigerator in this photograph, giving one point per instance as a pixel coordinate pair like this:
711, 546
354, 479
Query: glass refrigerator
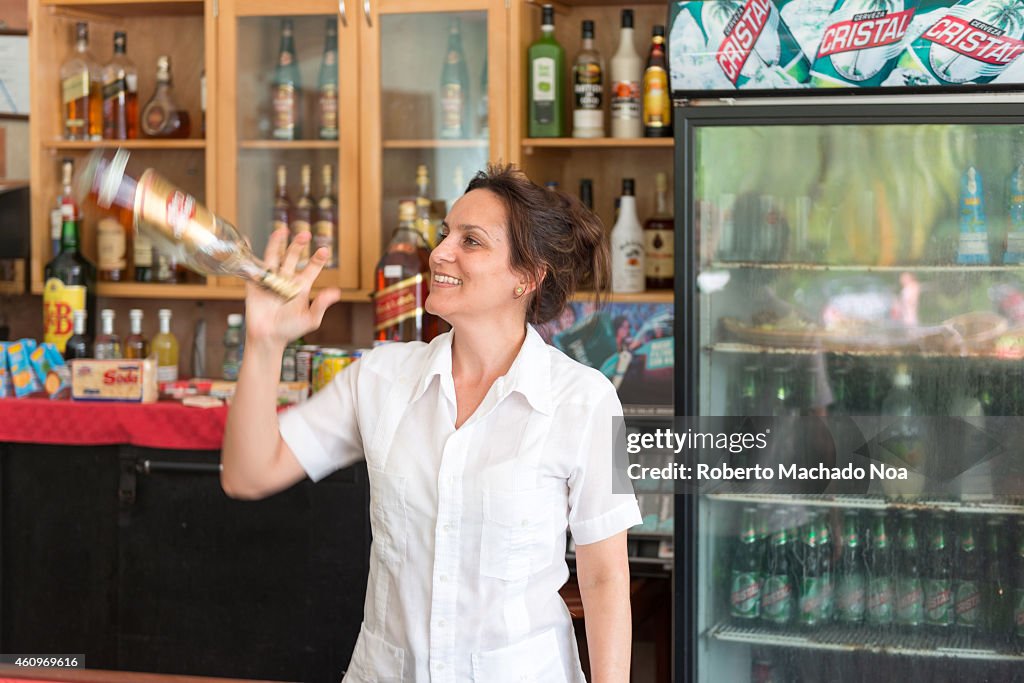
843, 259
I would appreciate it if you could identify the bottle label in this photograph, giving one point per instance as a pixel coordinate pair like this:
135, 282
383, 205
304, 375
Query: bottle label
543, 94
659, 254
399, 301
75, 87
777, 599
812, 600
167, 373
587, 86
626, 100
112, 245
60, 301
451, 109
56, 223
938, 602
745, 596
323, 236
284, 111
329, 112
879, 607
967, 604
115, 90
657, 108
142, 251
628, 266
850, 597
910, 601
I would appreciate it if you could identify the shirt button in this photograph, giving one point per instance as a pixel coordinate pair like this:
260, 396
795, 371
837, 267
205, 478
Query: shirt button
447, 527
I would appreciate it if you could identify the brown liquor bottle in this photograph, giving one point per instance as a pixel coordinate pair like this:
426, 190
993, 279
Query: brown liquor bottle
161, 117
659, 245
120, 99
135, 344
657, 109
302, 215
281, 216
402, 283
326, 226
81, 96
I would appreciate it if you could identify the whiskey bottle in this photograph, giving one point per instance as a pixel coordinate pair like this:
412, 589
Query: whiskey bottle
402, 284
120, 96
327, 87
281, 214
108, 343
179, 225
657, 104
286, 90
659, 231
69, 285
135, 344
326, 226
546, 81
588, 88
81, 91
302, 216
454, 87
161, 117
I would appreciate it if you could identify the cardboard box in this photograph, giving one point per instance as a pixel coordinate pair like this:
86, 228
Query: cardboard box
130, 381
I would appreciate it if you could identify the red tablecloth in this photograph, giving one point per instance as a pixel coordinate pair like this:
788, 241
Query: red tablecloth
164, 424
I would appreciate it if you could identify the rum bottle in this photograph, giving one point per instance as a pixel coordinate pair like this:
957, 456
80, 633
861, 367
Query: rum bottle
108, 343
659, 232
120, 96
626, 73
161, 117
327, 87
69, 285
588, 88
135, 344
81, 91
627, 245
657, 103
302, 216
286, 88
326, 226
454, 87
546, 81
402, 283
165, 347
78, 344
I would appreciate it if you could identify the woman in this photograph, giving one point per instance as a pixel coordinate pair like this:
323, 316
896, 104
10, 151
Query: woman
482, 448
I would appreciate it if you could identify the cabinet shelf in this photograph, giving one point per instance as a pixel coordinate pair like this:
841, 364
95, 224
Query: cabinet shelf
602, 143
131, 8
864, 502
653, 296
435, 144
156, 290
838, 638
127, 144
288, 144
857, 268
740, 347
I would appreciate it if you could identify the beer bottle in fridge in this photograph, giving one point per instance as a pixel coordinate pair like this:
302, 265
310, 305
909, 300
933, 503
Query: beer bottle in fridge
967, 588
996, 596
909, 589
825, 553
850, 588
880, 592
938, 583
812, 576
778, 596
745, 584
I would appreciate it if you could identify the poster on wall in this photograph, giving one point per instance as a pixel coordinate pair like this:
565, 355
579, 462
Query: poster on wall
726, 47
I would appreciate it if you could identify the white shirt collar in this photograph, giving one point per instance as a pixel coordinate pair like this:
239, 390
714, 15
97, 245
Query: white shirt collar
530, 373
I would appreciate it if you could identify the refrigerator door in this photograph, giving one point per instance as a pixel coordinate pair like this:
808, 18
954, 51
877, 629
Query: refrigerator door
844, 261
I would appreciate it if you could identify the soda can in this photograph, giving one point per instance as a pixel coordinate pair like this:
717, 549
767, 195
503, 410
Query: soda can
304, 362
327, 363
862, 43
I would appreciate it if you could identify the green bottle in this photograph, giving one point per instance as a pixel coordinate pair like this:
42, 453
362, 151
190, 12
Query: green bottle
454, 87
546, 72
327, 86
746, 579
286, 88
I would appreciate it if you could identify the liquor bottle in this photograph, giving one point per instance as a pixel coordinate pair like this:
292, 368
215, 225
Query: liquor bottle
286, 89
588, 88
66, 197
161, 117
626, 75
165, 348
108, 343
326, 226
81, 81
177, 222
587, 193
810, 576
627, 245
142, 256
996, 598
546, 76
424, 221
972, 247
909, 589
69, 284
202, 101
851, 588
233, 337
302, 214
327, 86
135, 344
880, 592
904, 433
657, 104
120, 94
778, 595
454, 87
746, 575
659, 243
483, 114
112, 248
938, 583
79, 344
967, 608
402, 282
281, 214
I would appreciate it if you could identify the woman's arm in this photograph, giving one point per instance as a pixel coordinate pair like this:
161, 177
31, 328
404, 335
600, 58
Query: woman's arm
602, 570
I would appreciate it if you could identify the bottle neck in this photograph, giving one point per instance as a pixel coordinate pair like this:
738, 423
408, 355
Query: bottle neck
82, 46
69, 235
107, 326
136, 326
165, 325
661, 203
80, 325
627, 208
588, 44
547, 31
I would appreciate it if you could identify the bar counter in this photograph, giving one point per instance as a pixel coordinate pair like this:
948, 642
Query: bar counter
15, 674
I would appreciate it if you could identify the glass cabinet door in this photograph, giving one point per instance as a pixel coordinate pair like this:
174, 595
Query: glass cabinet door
290, 142
434, 109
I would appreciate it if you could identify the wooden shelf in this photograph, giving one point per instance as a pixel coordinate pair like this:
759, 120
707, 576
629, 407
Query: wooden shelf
154, 290
127, 144
131, 8
654, 296
435, 144
596, 143
288, 144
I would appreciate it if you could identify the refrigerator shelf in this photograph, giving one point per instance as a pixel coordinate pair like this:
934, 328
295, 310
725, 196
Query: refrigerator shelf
861, 268
838, 638
740, 347
871, 503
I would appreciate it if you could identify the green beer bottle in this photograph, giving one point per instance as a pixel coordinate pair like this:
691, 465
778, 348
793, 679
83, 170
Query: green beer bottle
812, 576
825, 552
909, 589
778, 596
967, 607
851, 589
745, 585
880, 592
996, 597
938, 584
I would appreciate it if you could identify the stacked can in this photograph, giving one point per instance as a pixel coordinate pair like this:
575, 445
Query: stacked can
327, 363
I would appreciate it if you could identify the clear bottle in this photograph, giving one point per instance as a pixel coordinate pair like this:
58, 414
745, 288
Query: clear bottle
627, 245
66, 197
546, 81
135, 344
302, 215
657, 111
108, 343
165, 348
120, 94
587, 193
232, 347
69, 284
79, 344
659, 242
326, 226
627, 70
81, 79
286, 89
424, 221
588, 88
401, 286
161, 117
454, 87
327, 86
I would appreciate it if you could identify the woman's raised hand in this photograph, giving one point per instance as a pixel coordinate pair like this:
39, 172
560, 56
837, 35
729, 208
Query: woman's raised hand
271, 320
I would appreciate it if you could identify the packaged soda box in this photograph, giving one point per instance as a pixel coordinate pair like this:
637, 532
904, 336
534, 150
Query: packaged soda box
23, 375
861, 43
5, 375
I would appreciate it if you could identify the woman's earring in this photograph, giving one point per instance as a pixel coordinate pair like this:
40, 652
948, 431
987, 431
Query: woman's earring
519, 291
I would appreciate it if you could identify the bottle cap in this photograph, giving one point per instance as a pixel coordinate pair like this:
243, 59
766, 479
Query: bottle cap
82, 30
627, 187
164, 313
407, 210
588, 28
135, 313
658, 30
107, 314
235, 319
79, 313
547, 15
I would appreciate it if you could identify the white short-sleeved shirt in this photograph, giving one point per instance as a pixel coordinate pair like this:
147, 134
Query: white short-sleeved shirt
469, 524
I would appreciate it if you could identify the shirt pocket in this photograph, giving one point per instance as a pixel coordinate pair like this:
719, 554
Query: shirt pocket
388, 515
374, 660
517, 536
537, 659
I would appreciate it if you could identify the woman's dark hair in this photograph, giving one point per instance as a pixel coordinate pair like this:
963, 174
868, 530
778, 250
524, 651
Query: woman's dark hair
551, 232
